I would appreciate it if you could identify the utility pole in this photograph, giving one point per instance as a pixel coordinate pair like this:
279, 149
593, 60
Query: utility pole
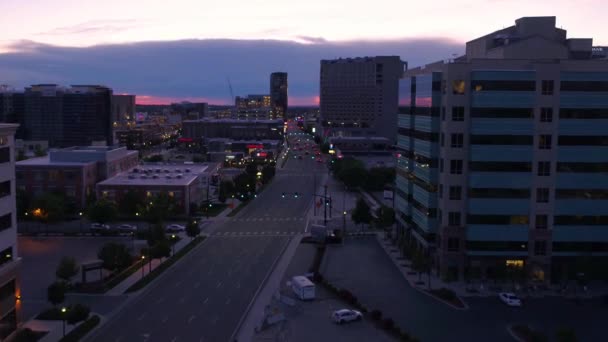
325, 205
314, 193
330, 207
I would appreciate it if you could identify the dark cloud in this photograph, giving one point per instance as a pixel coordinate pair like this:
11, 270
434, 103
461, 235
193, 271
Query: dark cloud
201, 68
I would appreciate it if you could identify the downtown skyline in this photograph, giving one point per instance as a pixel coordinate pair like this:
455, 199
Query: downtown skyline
169, 54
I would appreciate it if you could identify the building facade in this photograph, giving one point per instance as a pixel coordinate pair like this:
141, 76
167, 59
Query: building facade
278, 94
502, 156
358, 96
123, 110
186, 183
253, 107
78, 115
232, 129
73, 171
9, 260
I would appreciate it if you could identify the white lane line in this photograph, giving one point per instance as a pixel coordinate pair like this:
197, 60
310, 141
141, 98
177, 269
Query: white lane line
174, 339
206, 300
191, 319
219, 283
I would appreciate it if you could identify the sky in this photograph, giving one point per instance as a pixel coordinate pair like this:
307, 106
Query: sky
166, 51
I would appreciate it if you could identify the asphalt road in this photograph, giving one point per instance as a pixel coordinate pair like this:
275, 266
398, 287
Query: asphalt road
205, 295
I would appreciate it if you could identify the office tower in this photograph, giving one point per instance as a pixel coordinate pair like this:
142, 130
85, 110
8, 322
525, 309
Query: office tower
503, 156
73, 116
123, 109
359, 96
253, 107
9, 261
12, 107
278, 94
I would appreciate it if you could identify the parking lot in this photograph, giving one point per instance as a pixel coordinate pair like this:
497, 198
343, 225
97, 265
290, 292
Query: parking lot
311, 320
361, 266
40, 257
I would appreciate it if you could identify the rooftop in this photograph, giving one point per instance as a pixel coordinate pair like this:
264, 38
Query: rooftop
180, 175
46, 161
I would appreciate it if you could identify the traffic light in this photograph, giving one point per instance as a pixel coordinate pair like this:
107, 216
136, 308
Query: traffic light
283, 195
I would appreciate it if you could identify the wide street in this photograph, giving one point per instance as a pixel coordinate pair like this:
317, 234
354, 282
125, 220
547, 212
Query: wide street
205, 295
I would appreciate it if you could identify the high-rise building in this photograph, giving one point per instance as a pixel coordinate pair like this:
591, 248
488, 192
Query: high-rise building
9, 262
278, 94
73, 116
123, 109
504, 157
12, 107
359, 96
253, 107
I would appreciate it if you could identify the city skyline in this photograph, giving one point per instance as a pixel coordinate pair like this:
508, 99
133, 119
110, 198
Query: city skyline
135, 48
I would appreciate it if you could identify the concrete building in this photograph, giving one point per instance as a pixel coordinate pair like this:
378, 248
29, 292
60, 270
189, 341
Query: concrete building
190, 110
232, 129
253, 107
278, 94
186, 183
12, 107
503, 156
9, 260
78, 115
359, 96
123, 110
73, 171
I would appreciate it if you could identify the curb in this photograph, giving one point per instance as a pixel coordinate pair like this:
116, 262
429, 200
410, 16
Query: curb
257, 292
509, 328
417, 288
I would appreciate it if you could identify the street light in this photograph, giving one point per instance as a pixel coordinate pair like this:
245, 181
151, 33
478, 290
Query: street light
173, 244
80, 214
143, 265
63, 311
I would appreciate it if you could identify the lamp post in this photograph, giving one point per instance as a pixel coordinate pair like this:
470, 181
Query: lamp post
63, 311
172, 244
143, 265
80, 214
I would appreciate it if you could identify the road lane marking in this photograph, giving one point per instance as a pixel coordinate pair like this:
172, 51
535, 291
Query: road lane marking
197, 284
219, 283
228, 301
238, 285
206, 300
190, 319
174, 339
165, 319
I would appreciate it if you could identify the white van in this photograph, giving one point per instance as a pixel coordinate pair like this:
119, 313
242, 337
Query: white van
303, 288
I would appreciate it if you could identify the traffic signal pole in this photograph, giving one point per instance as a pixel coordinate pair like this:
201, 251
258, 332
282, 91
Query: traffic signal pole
325, 205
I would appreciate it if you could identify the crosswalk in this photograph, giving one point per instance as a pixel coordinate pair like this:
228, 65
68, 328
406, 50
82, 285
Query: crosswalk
268, 219
262, 233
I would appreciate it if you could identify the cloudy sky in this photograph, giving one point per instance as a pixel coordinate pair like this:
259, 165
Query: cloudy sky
166, 51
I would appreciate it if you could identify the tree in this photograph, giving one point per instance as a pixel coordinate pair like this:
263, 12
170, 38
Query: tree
67, 269
115, 256
192, 229
386, 217
49, 208
130, 203
77, 313
155, 158
324, 148
21, 155
56, 293
162, 249
102, 211
227, 189
156, 234
158, 208
422, 264
361, 214
268, 173
244, 184
566, 335
378, 177
23, 201
39, 152
317, 139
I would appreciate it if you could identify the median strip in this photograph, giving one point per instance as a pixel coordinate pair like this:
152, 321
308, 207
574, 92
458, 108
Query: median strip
165, 265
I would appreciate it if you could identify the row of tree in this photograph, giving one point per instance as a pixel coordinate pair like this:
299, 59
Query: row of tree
353, 174
243, 186
384, 216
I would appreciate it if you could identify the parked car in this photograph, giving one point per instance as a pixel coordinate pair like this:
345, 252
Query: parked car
175, 228
126, 228
509, 298
346, 315
99, 228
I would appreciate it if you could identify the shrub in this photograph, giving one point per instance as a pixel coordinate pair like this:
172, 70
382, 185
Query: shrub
376, 315
404, 336
28, 335
80, 331
77, 313
388, 324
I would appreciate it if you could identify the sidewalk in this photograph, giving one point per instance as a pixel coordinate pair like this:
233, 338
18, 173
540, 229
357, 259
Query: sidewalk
272, 284
133, 278
54, 328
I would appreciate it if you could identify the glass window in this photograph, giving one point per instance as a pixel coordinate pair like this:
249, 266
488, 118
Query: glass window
498, 193
547, 87
500, 112
454, 218
457, 113
501, 139
544, 142
582, 167
440, 165
456, 140
540, 247
442, 139
6, 221
453, 244
455, 192
458, 87
503, 85
582, 140
542, 195
544, 168
541, 222
5, 155
456, 166
440, 190
500, 166
546, 114
5, 188
6, 255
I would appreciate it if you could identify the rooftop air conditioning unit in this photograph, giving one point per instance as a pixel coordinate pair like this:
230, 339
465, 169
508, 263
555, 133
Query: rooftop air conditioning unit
144, 177
187, 170
168, 177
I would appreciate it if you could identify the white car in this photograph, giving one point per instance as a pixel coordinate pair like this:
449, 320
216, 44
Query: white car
509, 298
126, 228
99, 228
175, 228
346, 315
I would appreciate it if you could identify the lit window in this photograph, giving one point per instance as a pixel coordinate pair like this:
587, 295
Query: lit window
515, 263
